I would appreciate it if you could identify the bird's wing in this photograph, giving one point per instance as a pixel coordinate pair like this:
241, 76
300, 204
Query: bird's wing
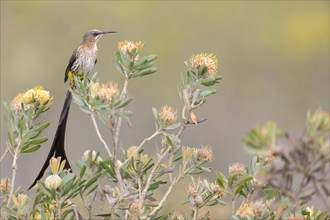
71, 62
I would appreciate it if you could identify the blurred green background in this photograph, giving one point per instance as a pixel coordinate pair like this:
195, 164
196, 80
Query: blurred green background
273, 56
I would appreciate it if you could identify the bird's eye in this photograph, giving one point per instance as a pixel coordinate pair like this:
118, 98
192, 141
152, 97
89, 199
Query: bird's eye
95, 34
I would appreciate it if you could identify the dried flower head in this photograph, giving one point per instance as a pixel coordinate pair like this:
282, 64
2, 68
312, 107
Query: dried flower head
216, 190
128, 46
236, 168
245, 210
20, 200
5, 185
198, 200
192, 191
205, 154
90, 155
16, 103
168, 115
258, 208
104, 91
208, 59
177, 216
31, 96
53, 181
188, 153
268, 158
132, 152
135, 208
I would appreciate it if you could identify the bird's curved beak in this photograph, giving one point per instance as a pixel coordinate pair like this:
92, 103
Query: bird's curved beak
107, 32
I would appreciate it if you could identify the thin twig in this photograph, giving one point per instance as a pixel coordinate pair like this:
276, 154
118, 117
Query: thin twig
183, 126
116, 137
141, 145
75, 211
100, 136
13, 175
58, 205
151, 175
4, 154
323, 197
169, 190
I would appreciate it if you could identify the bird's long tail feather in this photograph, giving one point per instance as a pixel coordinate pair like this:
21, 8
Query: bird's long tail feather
57, 148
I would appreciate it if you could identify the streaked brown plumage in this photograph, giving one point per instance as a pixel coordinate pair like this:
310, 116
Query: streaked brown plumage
82, 61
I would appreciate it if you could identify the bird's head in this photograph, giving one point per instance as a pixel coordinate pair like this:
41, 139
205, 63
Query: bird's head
94, 35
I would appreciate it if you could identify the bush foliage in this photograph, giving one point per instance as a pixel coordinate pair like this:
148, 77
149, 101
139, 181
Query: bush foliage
279, 183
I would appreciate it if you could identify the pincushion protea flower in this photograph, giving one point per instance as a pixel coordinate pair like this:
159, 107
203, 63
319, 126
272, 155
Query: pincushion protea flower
208, 59
104, 91
168, 115
128, 46
236, 168
31, 96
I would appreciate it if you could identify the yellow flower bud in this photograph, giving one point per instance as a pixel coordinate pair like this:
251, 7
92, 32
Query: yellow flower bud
20, 200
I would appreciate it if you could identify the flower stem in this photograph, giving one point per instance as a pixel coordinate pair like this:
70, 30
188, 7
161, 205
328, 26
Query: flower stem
141, 145
4, 154
153, 171
117, 131
169, 190
13, 175
100, 136
58, 205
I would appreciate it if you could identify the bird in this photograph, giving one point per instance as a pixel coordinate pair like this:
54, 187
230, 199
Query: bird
81, 62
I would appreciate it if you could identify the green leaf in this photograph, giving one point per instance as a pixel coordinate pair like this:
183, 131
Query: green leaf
92, 180
206, 169
10, 212
124, 103
85, 109
144, 72
94, 78
155, 185
31, 149
92, 190
41, 127
82, 171
11, 138
27, 137
67, 178
173, 126
156, 114
119, 68
124, 113
38, 141
65, 213
208, 92
173, 138
221, 179
232, 179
